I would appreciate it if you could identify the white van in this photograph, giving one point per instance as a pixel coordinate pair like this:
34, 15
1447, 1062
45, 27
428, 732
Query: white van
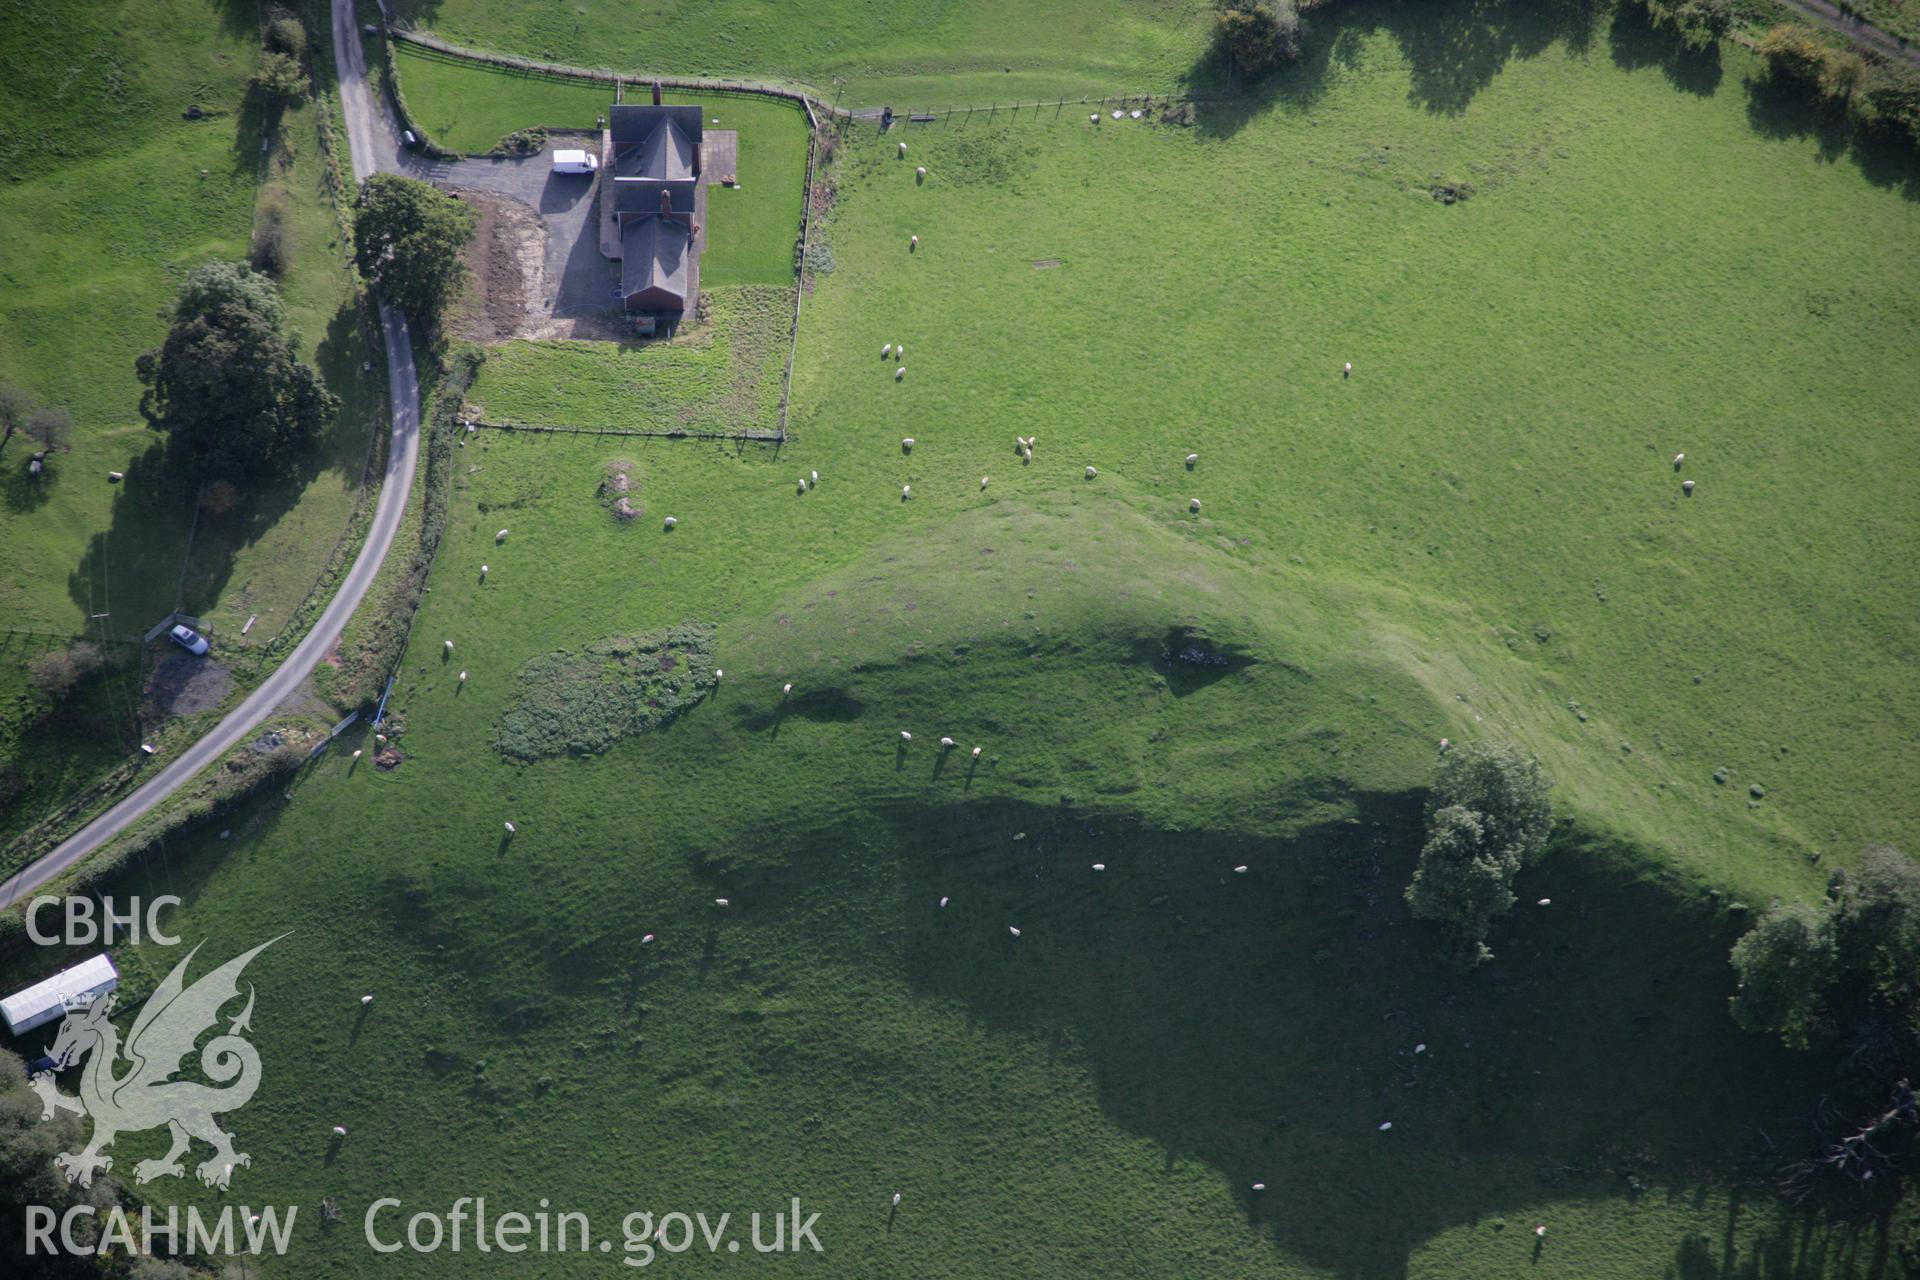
574, 162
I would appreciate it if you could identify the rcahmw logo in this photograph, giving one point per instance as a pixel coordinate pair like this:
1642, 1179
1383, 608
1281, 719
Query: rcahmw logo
144, 1095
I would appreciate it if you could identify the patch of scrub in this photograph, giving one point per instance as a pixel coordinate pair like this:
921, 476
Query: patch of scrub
580, 702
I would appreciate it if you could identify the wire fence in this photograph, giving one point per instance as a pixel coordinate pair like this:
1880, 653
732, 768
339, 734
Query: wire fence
759, 436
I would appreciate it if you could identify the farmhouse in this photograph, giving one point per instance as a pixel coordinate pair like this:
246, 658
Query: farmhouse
654, 157
51, 998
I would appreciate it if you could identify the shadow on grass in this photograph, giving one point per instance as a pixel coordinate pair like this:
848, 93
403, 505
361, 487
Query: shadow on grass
1785, 109
1636, 43
1266, 1025
154, 507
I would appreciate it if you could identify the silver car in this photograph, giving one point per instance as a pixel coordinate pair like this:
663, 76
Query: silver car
189, 639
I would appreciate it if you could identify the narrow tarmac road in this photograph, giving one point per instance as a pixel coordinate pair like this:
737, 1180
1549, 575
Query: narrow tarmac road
374, 146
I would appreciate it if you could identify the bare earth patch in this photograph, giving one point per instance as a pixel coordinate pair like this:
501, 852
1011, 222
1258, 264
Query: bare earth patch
183, 685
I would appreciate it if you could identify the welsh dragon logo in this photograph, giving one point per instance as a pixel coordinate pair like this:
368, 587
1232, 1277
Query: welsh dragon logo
143, 1096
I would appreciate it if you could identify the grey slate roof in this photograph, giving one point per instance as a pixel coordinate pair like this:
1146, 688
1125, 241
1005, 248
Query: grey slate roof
662, 143
654, 256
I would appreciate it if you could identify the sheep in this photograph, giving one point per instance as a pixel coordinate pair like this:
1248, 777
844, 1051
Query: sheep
921, 173
511, 829
906, 491
943, 903
1446, 744
339, 1131
1014, 929
447, 646
1420, 1048
380, 738
500, 537
1678, 458
906, 445
1540, 1230
1027, 457
1544, 902
1193, 505
1686, 486
722, 903
1193, 460
1091, 473
1259, 1187
358, 752
1240, 870
813, 478
1347, 372
913, 242
718, 675
900, 351
896, 1195
905, 736
886, 349
483, 570
1094, 118
946, 744
463, 677
983, 482
903, 148
646, 939
115, 477
670, 522
802, 486
786, 690
900, 373
1099, 866
366, 1000
976, 753
1386, 1125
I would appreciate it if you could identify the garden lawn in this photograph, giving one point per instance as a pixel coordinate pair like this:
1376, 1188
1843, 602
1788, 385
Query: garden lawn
1480, 533
751, 229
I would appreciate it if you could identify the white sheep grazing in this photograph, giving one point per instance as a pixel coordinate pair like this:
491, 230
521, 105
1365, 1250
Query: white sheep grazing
1091, 473
1540, 1230
670, 522
907, 444
1446, 744
786, 690
500, 536
1348, 371
1240, 870
983, 482
1194, 505
1420, 1048
463, 677
905, 736
366, 1000
976, 753
1094, 118
921, 172
357, 753
900, 373
1014, 929
1687, 485
646, 939
1544, 902
721, 902
906, 491
718, 675
449, 646
802, 486
1259, 1186
511, 828
1678, 458
900, 351
896, 1195
1386, 1125
1028, 455
913, 242
483, 570
903, 148
339, 1131
886, 349
1193, 460
1099, 866
813, 478
116, 476
943, 903
946, 744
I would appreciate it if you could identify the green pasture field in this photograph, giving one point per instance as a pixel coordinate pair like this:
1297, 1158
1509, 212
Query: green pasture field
116, 198
911, 53
751, 228
1480, 533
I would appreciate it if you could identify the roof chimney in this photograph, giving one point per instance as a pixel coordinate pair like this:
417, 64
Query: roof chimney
666, 204
656, 93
